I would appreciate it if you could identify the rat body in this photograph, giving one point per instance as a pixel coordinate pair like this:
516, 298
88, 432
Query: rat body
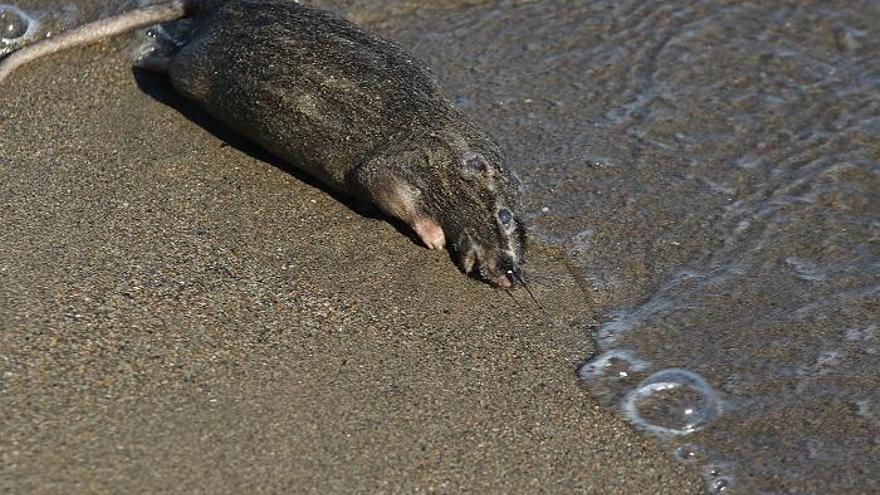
348, 107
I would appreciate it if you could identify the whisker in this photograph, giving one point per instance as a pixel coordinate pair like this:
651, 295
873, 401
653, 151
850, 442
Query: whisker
519, 279
511, 296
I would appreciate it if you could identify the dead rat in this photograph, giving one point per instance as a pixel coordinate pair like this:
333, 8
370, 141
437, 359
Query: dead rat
350, 108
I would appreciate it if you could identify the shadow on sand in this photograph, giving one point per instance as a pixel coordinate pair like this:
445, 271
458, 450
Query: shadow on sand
158, 88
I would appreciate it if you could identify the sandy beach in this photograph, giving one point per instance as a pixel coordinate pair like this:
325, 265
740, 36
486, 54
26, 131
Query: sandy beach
182, 314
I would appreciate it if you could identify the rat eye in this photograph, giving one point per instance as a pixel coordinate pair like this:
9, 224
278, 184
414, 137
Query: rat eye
505, 216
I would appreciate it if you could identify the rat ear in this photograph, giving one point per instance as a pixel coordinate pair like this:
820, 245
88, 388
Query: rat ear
476, 164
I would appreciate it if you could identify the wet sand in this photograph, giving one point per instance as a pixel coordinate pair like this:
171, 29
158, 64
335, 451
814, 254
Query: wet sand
182, 314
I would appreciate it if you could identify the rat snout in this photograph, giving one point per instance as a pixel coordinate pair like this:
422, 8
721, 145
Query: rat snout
496, 268
505, 272
503, 281
489, 270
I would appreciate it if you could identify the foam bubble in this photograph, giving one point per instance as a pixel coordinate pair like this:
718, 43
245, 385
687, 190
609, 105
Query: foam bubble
689, 453
615, 364
612, 374
672, 402
16, 28
13, 22
717, 480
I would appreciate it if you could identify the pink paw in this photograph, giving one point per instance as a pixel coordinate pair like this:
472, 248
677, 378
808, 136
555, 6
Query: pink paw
430, 233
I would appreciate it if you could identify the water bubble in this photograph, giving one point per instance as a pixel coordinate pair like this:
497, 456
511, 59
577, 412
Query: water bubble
717, 481
612, 374
688, 453
17, 28
672, 402
615, 364
718, 485
13, 22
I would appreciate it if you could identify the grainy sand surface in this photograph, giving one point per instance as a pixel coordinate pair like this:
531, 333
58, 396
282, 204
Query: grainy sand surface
181, 314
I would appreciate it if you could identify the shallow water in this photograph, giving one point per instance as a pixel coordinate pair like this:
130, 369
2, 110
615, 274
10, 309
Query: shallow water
17, 28
713, 169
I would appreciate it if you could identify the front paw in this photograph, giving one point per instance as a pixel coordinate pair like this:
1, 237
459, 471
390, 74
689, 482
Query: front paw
429, 232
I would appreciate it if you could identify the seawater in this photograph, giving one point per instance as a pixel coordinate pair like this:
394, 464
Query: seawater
28, 21
713, 168
17, 28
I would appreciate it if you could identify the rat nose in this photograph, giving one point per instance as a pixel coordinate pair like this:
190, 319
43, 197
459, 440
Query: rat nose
515, 277
503, 281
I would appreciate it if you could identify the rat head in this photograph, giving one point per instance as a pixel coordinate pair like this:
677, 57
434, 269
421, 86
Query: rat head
475, 200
